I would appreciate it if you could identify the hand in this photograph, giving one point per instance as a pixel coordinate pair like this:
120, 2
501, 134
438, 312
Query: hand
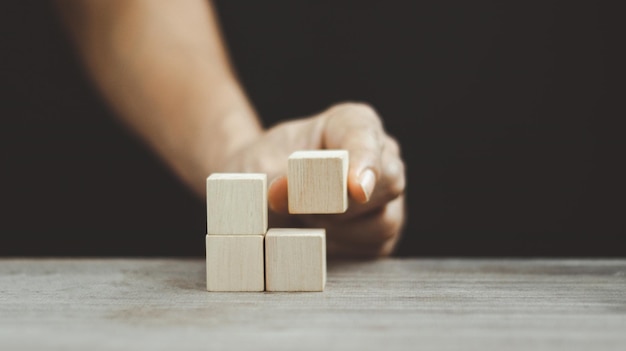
375, 217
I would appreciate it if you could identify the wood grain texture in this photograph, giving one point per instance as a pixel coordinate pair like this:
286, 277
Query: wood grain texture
236, 204
392, 304
318, 181
234, 263
295, 259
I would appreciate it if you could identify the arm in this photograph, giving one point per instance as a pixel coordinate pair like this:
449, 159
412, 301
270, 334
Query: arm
163, 68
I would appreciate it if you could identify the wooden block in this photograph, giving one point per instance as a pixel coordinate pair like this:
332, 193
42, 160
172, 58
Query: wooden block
236, 204
234, 263
295, 259
318, 181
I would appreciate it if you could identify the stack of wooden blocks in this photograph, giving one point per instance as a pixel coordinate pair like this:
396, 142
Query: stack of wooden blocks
243, 255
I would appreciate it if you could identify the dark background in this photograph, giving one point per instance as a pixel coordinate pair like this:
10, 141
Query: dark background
507, 114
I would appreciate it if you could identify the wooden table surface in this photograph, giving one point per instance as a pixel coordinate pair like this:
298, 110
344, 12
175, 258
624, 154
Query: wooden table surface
390, 304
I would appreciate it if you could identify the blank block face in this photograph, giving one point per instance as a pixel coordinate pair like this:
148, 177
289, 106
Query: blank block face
234, 263
318, 181
236, 204
295, 259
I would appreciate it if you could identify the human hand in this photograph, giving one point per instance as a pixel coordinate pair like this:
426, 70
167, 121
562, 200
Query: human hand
375, 217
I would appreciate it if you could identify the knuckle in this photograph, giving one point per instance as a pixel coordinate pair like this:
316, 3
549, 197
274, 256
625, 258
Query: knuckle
362, 109
365, 110
393, 145
393, 177
398, 187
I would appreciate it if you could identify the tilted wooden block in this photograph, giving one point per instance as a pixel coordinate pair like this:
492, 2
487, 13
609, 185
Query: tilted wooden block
295, 259
236, 204
318, 181
234, 263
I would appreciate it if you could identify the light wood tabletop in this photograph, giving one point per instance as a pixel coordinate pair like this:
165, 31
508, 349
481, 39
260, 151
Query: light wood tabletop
387, 304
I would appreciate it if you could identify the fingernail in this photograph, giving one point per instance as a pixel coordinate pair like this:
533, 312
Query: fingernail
367, 180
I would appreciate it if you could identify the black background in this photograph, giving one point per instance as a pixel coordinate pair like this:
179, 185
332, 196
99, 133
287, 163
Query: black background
508, 115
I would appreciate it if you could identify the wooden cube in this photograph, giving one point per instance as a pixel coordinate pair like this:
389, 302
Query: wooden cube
318, 181
295, 259
234, 263
236, 204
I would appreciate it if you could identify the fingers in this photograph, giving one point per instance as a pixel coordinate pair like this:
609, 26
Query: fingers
358, 129
370, 235
390, 185
369, 230
376, 172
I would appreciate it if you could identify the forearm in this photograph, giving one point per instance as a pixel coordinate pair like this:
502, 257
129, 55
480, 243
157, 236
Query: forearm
162, 67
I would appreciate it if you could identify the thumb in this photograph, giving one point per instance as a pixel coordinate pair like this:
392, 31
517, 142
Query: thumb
277, 195
357, 129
